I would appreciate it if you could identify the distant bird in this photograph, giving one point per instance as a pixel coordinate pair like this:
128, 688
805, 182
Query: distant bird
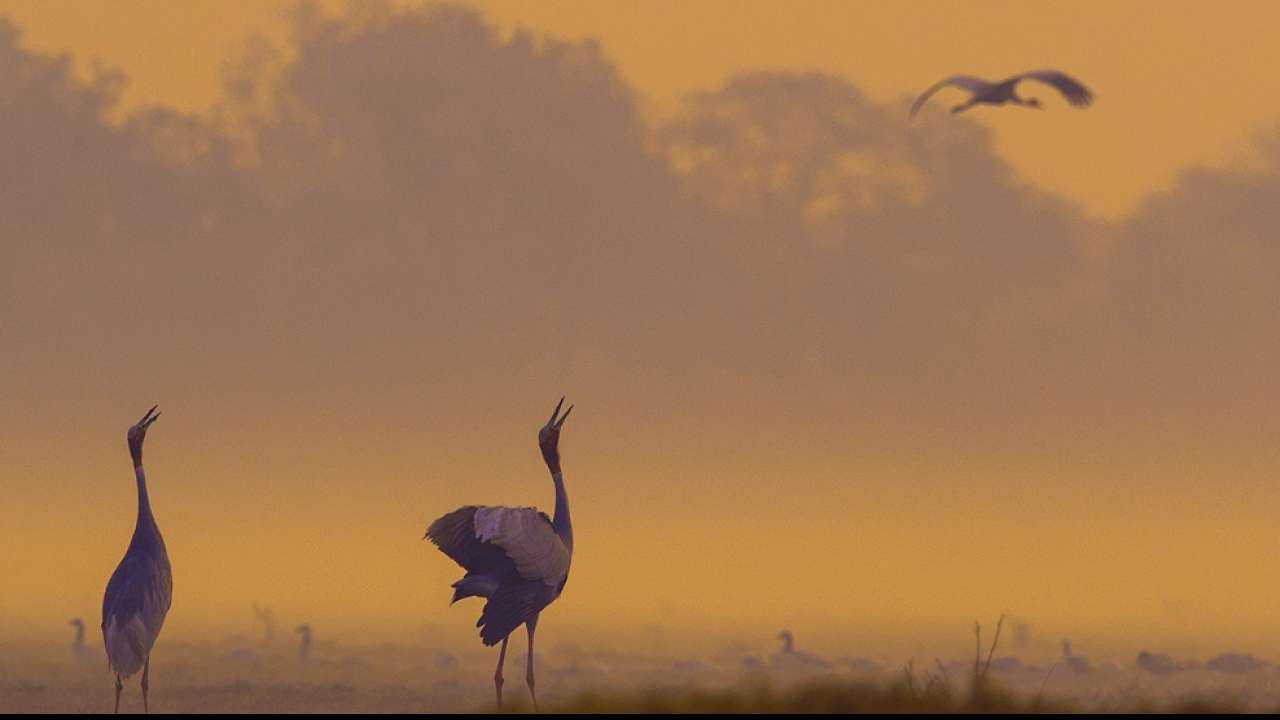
1157, 663
265, 616
1074, 663
1234, 662
516, 558
304, 646
79, 650
792, 659
1008, 664
140, 590
998, 93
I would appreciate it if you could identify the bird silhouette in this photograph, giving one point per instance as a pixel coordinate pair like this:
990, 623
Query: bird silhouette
267, 618
304, 644
141, 588
81, 652
515, 557
1075, 663
1158, 663
791, 659
984, 92
1235, 662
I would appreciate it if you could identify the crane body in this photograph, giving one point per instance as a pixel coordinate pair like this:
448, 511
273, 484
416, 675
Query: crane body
140, 590
516, 558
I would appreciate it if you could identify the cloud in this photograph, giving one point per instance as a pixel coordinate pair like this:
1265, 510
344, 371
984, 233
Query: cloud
1194, 289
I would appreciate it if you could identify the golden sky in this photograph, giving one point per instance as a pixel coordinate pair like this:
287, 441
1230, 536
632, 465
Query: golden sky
1179, 83
833, 372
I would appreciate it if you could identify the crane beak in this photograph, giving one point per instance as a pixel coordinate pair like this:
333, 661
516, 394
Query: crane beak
564, 417
555, 424
147, 419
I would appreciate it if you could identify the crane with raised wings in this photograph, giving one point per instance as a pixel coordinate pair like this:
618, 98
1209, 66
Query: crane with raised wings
516, 558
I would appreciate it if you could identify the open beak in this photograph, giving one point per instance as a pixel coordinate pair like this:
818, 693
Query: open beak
555, 424
147, 419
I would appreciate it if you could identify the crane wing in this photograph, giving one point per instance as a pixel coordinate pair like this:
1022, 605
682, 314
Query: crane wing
1073, 90
526, 536
965, 82
455, 535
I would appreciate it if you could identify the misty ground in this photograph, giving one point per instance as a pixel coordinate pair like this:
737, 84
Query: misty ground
242, 676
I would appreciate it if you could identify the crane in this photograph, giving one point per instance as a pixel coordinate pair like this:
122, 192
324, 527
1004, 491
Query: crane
141, 588
79, 650
515, 557
1075, 663
998, 93
793, 659
304, 645
267, 617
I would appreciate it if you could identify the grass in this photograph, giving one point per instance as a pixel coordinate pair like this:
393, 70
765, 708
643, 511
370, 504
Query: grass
813, 698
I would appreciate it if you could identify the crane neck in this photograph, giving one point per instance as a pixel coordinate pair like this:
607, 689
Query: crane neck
561, 523
79, 641
144, 502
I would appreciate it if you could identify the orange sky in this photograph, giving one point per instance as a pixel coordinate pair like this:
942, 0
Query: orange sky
820, 401
1179, 83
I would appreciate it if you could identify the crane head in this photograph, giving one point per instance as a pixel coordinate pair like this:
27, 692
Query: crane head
549, 435
138, 433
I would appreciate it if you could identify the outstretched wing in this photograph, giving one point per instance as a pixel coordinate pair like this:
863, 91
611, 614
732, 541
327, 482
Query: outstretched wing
1073, 90
965, 82
455, 535
528, 539
481, 538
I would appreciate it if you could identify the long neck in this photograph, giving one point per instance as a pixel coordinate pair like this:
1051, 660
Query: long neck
144, 502
79, 636
561, 522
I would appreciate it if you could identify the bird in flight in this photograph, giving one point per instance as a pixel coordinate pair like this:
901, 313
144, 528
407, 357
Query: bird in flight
998, 93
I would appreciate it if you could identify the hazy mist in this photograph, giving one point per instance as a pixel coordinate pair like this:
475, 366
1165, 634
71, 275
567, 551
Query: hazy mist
833, 371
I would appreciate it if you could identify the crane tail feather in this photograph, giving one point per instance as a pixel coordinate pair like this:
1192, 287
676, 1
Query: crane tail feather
510, 607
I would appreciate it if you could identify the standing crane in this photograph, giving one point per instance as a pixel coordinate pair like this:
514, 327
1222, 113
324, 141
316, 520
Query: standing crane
515, 558
79, 650
304, 643
1075, 663
792, 659
140, 590
1005, 91
267, 617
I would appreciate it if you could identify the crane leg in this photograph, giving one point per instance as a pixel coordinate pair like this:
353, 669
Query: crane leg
146, 673
497, 674
528, 676
119, 687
